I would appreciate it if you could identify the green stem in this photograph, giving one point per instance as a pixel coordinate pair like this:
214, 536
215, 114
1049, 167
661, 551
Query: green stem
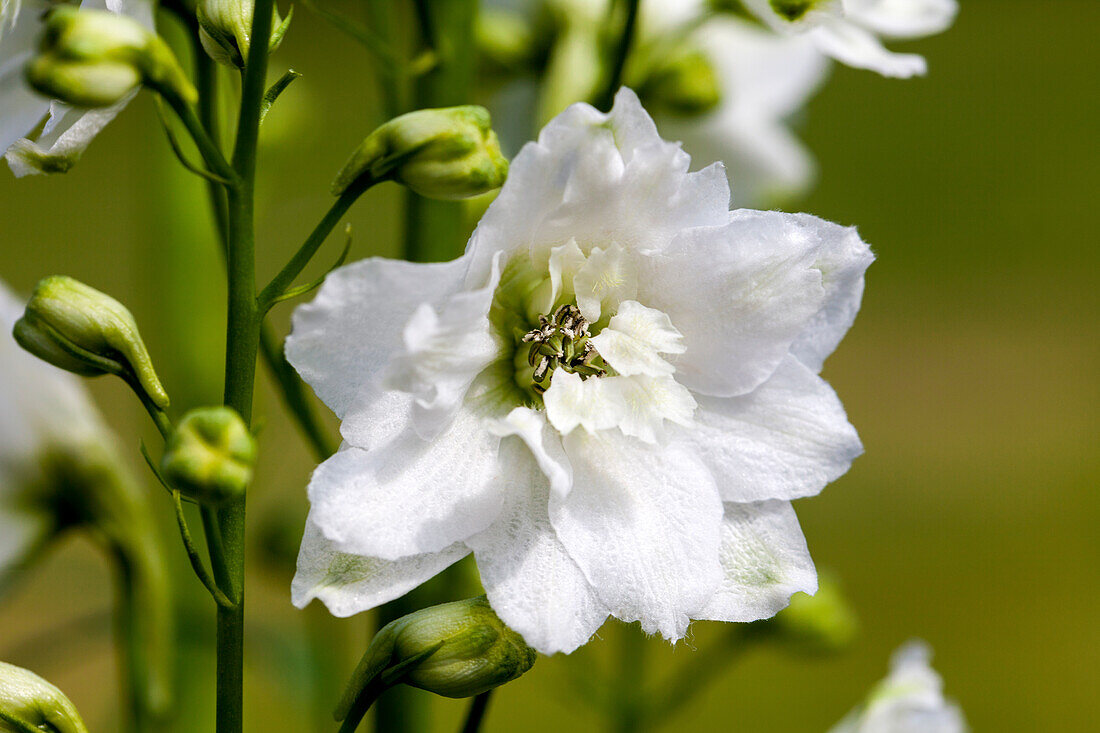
619, 54
476, 714
209, 149
242, 346
18, 724
434, 230
301, 258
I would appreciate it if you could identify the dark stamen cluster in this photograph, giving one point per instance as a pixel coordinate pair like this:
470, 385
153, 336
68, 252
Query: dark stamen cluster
562, 341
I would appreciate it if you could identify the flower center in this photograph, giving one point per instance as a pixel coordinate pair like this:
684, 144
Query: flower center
562, 341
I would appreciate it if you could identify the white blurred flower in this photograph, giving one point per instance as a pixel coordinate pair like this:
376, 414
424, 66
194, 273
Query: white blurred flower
909, 700
68, 130
45, 415
649, 474
849, 30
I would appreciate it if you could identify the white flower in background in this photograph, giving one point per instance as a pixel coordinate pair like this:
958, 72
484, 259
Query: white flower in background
45, 413
610, 399
909, 700
764, 80
849, 30
68, 130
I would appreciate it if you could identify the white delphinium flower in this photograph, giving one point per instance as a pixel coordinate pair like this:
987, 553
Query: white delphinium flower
68, 130
610, 398
45, 415
849, 30
909, 700
764, 79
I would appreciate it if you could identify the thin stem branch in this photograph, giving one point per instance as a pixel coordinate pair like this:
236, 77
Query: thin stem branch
476, 714
305, 253
18, 724
620, 54
194, 557
209, 150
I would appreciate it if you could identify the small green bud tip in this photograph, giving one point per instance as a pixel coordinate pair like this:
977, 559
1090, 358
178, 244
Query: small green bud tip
225, 28
210, 456
686, 85
79, 329
27, 699
94, 58
821, 623
449, 153
458, 649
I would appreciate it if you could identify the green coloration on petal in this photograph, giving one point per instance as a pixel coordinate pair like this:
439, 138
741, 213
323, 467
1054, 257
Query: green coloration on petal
210, 456
32, 700
79, 329
792, 10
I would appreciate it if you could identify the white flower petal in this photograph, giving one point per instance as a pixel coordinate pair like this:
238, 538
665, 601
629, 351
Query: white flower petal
842, 259
571, 401
764, 561
646, 402
605, 280
599, 179
443, 353
20, 108
563, 263
346, 336
633, 339
850, 44
544, 442
531, 581
412, 496
786, 439
643, 524
349, 584
739, 294
903, 18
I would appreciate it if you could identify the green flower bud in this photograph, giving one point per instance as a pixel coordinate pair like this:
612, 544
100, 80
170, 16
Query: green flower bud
505, 41
449, 153
210, 455
78, 328
225, 28
458, 649
28, 700
819, 624
94, 58
685, 85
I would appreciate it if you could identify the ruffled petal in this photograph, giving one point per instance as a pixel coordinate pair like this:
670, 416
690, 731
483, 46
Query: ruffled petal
740, 295
349, 584
411, 496
531, 581
764, 562
343, 340
544, 443
786, 439
634, 339
598, 178
643, 524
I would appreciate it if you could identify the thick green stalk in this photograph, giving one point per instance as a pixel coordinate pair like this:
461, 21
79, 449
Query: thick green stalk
434, 230
242, 346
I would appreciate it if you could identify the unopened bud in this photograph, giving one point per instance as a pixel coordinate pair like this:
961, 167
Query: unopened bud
225, 29
685, 85
821, 623
458, 649
94, 58
79, 329
35, 703
210, 456
449, 153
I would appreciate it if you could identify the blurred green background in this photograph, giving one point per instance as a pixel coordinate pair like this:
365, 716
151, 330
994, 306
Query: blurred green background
972, 375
